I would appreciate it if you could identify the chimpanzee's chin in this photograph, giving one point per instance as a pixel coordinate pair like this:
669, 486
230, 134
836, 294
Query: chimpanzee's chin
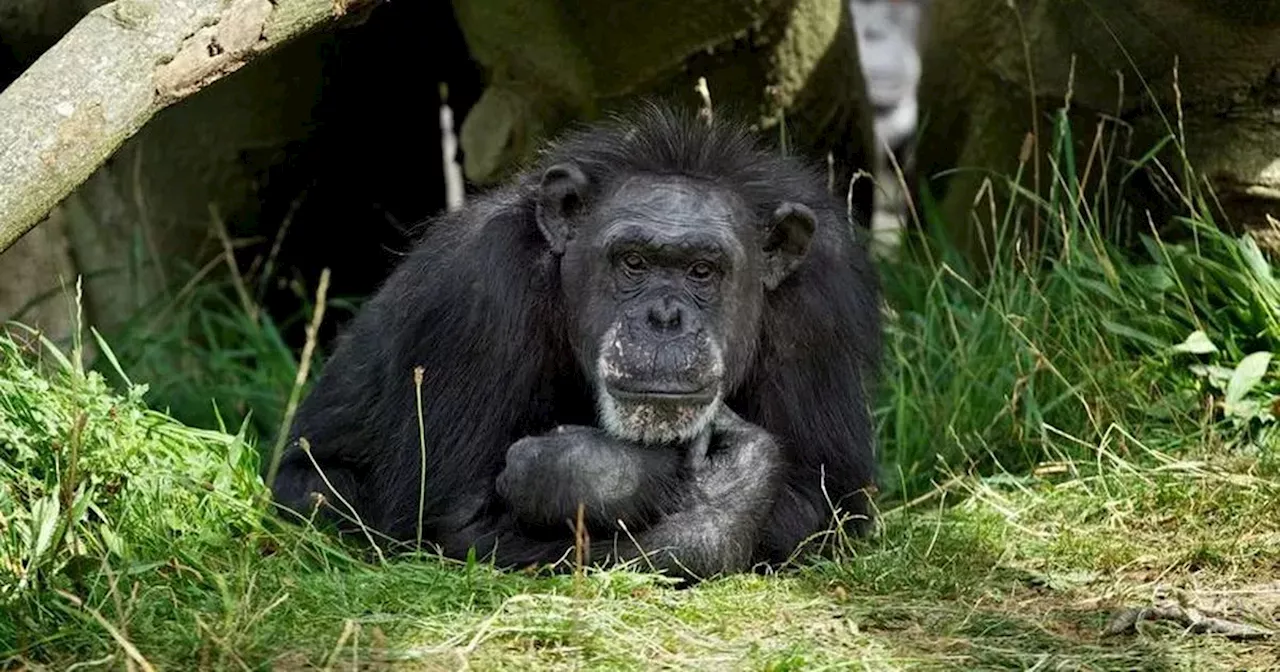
658, 417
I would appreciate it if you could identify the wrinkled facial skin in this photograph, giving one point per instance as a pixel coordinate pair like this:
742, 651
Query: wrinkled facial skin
659, 278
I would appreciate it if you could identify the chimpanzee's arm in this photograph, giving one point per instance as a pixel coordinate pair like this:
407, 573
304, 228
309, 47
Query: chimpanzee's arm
546, 478
727, 501
706, 504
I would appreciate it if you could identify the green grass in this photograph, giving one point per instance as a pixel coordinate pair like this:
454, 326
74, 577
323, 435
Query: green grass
208, 361
1097, 340
1059, 439
161, 550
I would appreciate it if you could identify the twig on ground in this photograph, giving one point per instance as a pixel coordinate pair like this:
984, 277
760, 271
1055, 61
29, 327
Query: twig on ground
1166, 607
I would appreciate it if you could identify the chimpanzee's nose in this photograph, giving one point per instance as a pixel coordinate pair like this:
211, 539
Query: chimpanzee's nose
665, 315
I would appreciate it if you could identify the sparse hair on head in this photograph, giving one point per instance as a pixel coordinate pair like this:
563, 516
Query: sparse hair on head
660, 139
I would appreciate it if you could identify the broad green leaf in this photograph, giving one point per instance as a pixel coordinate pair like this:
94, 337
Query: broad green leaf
1248, 374
112, 541
1248, 409
1217, 375
45, 516
1157, 278
1197, 343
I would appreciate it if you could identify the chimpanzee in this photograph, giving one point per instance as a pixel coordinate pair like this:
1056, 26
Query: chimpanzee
662, 321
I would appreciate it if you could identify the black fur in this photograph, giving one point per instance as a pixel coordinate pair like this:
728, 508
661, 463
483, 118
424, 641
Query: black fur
478, 305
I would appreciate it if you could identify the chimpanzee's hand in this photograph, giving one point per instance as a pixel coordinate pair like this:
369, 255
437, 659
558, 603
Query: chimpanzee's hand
547, 476
719, 508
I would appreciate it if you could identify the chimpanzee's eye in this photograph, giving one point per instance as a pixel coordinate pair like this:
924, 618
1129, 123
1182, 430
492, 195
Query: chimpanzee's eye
701, 271
633, 262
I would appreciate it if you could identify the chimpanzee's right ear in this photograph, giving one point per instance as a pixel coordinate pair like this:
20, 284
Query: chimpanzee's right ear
560, 198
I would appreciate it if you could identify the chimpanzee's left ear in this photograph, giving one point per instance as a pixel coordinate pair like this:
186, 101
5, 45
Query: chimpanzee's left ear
560, 196
787, 238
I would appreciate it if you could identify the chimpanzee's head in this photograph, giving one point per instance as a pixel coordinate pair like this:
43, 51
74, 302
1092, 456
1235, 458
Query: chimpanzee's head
664, 277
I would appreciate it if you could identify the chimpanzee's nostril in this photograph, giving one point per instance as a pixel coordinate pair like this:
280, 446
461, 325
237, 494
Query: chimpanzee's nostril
666, 315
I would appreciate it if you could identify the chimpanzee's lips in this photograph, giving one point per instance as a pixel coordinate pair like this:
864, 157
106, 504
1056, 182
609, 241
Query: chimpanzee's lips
670, 393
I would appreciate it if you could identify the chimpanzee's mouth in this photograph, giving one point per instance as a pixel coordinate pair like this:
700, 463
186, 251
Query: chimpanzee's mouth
658, 393
663, 393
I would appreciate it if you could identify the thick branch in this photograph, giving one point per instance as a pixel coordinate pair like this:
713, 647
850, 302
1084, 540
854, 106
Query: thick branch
112, 72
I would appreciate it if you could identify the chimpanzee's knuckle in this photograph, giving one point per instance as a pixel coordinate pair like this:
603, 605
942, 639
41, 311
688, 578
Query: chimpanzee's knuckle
504, 484
524, 451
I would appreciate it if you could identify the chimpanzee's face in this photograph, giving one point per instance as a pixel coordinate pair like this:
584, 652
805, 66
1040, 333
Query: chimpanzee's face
664, 279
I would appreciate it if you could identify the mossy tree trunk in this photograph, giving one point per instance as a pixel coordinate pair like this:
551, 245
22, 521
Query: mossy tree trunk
996, 71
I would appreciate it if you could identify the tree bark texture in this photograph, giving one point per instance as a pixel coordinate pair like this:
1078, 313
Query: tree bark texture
789, 67
1138, 71
120, 65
